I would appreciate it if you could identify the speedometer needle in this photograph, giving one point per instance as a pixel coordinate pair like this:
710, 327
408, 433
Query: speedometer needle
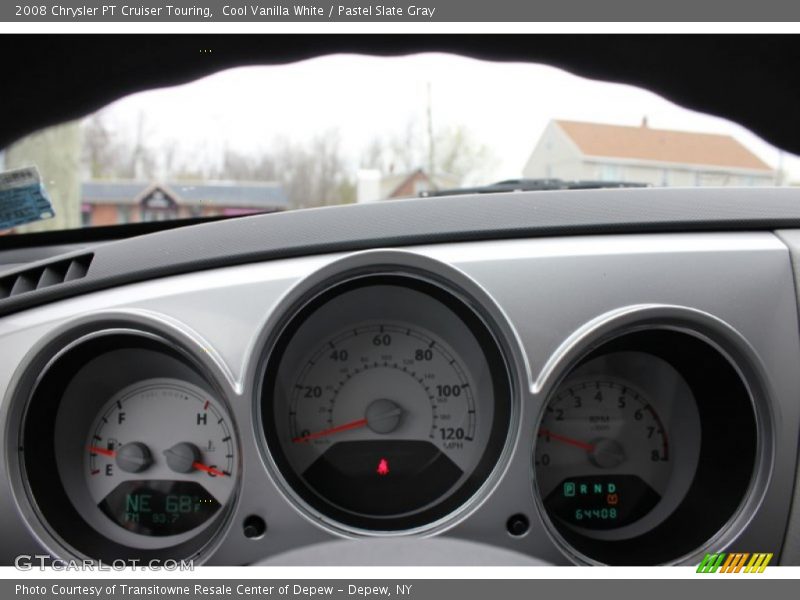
332, 430
566, 440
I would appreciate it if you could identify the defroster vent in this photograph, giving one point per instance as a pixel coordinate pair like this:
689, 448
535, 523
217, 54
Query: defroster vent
43, 276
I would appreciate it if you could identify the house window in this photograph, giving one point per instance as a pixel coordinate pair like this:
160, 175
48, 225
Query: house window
705, 179
610, 173
421, 185
86, 215
123, 214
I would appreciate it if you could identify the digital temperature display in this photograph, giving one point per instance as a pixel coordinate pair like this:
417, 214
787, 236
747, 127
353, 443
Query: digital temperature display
159, 507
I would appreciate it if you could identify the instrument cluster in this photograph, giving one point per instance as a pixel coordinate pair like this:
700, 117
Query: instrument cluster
388, 403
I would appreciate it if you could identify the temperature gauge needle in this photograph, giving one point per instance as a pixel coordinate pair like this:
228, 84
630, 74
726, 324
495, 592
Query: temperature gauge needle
566, 440
318, 434
210, 470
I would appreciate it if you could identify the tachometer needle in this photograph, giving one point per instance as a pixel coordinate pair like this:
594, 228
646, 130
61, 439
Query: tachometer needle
103, 451
332, 430
210, 470
566, 440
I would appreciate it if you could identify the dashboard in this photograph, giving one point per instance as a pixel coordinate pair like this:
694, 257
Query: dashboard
586, 397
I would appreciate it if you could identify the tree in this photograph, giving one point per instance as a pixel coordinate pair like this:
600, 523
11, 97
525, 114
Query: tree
99, 155
459, 153
106, 156
237, 166
453, 152
313, 174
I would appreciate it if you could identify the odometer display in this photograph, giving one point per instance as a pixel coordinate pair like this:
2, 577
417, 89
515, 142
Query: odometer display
602, 501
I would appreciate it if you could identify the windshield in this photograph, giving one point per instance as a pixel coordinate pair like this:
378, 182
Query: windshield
345, 129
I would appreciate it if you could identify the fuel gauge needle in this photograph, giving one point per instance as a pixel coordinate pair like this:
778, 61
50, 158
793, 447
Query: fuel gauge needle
103, 451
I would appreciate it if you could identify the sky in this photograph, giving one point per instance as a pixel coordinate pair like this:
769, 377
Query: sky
504, 106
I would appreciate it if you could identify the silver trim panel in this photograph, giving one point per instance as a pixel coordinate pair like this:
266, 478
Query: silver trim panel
547, 295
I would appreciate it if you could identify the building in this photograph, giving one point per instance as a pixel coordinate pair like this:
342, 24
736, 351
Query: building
372, 185
573, 150
118, 202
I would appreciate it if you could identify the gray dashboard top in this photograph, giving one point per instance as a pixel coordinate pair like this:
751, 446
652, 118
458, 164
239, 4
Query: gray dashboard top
424, 221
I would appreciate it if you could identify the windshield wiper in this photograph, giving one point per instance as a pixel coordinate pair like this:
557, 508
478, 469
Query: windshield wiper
532, 185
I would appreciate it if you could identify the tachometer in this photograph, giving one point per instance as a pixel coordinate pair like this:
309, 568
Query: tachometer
603, 457
627, 453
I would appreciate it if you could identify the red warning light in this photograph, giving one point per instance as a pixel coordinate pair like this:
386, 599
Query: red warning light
383, 467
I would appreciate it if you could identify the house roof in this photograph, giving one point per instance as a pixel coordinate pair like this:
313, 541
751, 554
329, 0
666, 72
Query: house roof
226, 194
391, 184
661, 145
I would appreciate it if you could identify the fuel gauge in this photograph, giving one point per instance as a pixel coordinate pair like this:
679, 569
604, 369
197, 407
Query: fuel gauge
161, 458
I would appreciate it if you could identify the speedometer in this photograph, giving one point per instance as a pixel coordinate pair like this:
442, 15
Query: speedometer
433, 391
377, 402
386, 404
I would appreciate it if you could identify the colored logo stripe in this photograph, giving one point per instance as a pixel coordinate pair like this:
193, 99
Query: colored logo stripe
735, 562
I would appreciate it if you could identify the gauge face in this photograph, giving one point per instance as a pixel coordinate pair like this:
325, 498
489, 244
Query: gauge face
608, 465
603, 455
161, 458
373, 405
387, 423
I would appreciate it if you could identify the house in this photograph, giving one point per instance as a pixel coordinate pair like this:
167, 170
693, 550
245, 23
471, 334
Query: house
373, 185
118, 202
574, 150
412, 184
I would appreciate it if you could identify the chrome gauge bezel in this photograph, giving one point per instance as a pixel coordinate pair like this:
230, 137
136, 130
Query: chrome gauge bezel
719, 337
77, 336
371, 266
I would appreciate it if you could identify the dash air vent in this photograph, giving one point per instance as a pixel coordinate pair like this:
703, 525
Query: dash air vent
43, 276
